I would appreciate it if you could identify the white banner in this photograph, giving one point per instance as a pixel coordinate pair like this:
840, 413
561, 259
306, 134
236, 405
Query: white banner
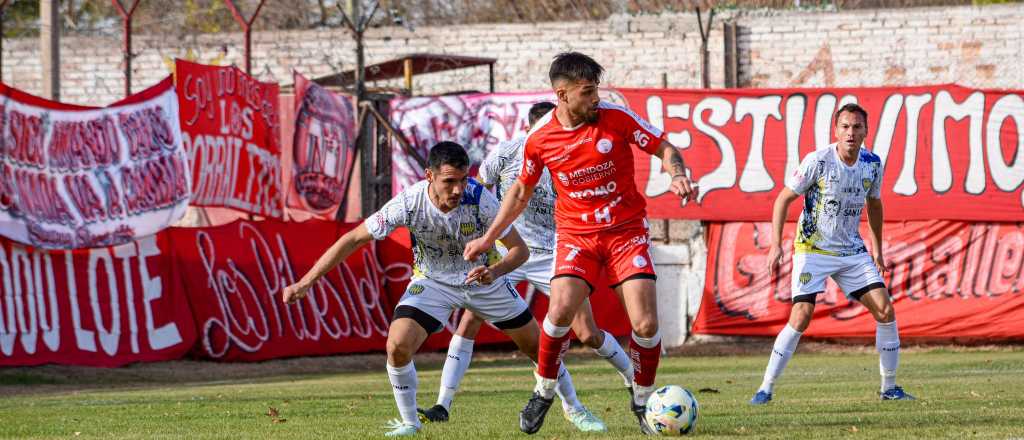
74, 177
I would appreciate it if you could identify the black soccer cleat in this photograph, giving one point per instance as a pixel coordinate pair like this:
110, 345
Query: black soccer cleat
640, 411
435, 414
531, 418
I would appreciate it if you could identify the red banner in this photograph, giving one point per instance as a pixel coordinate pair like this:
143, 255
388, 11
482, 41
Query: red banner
231, 129
76, 177
102, 307
318, 166
946, 149
233, 276
948, 280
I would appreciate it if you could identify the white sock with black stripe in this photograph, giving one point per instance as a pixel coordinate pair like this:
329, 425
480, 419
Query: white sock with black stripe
887, 342
404, 385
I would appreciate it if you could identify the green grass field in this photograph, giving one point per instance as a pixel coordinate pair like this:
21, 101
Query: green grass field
963, 394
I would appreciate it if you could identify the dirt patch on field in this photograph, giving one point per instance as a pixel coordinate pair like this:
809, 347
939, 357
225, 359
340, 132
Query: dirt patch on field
53, 379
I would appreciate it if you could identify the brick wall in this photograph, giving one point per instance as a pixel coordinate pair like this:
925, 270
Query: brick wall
980, 47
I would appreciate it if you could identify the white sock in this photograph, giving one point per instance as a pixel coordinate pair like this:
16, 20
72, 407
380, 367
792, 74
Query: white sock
567, 392
553, 330
887, 342
404, 384
545, 387
460, 352
650, 342
641, 393
782, 351
612, 352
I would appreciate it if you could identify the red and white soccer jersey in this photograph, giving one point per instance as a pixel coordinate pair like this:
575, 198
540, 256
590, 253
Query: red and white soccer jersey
592, 171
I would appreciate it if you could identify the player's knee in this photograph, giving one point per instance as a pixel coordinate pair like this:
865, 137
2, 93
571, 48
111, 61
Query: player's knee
800, 316
646, 328
799, 325
885, 313
590, 337
398, 354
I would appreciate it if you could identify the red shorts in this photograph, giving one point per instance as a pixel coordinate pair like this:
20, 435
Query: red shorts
623, 252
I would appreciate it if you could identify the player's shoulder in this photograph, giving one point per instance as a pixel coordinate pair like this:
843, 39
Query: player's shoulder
473, 193
412, 192
869, 157
612, 107
820, 154
415, 188
510, 148
540, 128
615, 113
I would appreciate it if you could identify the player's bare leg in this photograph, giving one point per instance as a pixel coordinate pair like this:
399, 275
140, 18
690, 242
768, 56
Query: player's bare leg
405, 336
785, 344
639, 298
887, 342
567, 293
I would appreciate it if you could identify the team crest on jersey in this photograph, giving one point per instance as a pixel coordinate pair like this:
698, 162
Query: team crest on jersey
467, 228
604, 146
805, 278
416, 289
867, 183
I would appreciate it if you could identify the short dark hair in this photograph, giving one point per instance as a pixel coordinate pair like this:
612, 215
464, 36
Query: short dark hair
538, 111
447, 153
574, 66
851, 108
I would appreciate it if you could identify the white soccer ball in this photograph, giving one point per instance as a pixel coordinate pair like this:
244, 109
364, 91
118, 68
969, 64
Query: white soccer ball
672, 410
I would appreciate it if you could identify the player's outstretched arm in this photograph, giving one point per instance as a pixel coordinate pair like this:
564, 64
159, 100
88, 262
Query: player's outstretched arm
337, 253
672, 163
515, 201
517, 254
779, 210
874, 207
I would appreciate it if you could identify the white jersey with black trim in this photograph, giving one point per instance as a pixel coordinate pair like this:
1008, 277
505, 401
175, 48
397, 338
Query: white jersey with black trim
536, 224
439, 238
834, 197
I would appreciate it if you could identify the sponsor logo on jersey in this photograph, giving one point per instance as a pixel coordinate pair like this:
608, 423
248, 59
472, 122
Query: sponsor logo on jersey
570, 267
641, 138
600, 191
591, 174
563, 178
632, 242
467, 228
604, 146
586, 171
531, 168
416, 289
573, 146
639, 261
805, 278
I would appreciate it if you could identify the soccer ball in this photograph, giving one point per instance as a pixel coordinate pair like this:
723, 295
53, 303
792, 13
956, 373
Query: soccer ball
672, 410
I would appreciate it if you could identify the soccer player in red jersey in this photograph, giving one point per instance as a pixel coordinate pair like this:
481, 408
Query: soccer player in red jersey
600, 219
